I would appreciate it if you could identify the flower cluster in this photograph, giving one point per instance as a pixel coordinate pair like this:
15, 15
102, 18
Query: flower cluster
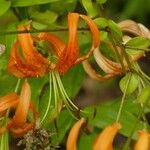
67, 54
104, 141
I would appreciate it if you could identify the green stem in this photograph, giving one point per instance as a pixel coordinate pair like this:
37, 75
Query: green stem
136, 48
17, 85
117, 52
50, 97
125, 55
44, 30
123, 99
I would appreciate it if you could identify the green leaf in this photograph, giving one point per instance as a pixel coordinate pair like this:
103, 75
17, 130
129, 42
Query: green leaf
38, 26
73, 80
115, 30
102, 23
37, 85
134, 81
5, 5
47, 17
24, 3
8, 42
64, 123
86, 140
90, 8
101, 1
106, 114
137, 42
144, 95
8, 83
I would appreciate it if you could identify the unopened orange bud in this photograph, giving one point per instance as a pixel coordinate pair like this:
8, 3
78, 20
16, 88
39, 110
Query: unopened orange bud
105, 139
143, 142
73, 135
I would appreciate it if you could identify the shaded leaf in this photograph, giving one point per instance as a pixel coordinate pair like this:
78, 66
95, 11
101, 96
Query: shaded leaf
64, 123
73, 80
106, 114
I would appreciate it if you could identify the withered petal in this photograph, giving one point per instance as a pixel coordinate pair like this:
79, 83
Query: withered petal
92, 73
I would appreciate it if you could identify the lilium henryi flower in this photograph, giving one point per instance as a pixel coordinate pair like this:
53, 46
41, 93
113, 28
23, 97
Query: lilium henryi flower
68, 54
143, 142
112, 68
34, 64
18, 125
105, 139
73, 135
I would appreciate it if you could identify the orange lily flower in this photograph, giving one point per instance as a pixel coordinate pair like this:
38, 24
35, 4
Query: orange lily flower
143, 142
73, 135
105, 139
34, 64
18, 124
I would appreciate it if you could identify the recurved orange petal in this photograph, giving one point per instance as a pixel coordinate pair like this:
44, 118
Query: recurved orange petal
105, 139
143, 142
31, 55
8, 101
17, 67
57, 44
18, 125
73, 135
70, 53
95, 37
23, 105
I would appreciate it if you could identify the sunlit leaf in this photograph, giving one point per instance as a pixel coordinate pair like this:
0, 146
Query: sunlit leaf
90, 7
137, 42
47, 17
23, 3
101, 1
133, 83
5, 5
115, 30
102, 23
144, 95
